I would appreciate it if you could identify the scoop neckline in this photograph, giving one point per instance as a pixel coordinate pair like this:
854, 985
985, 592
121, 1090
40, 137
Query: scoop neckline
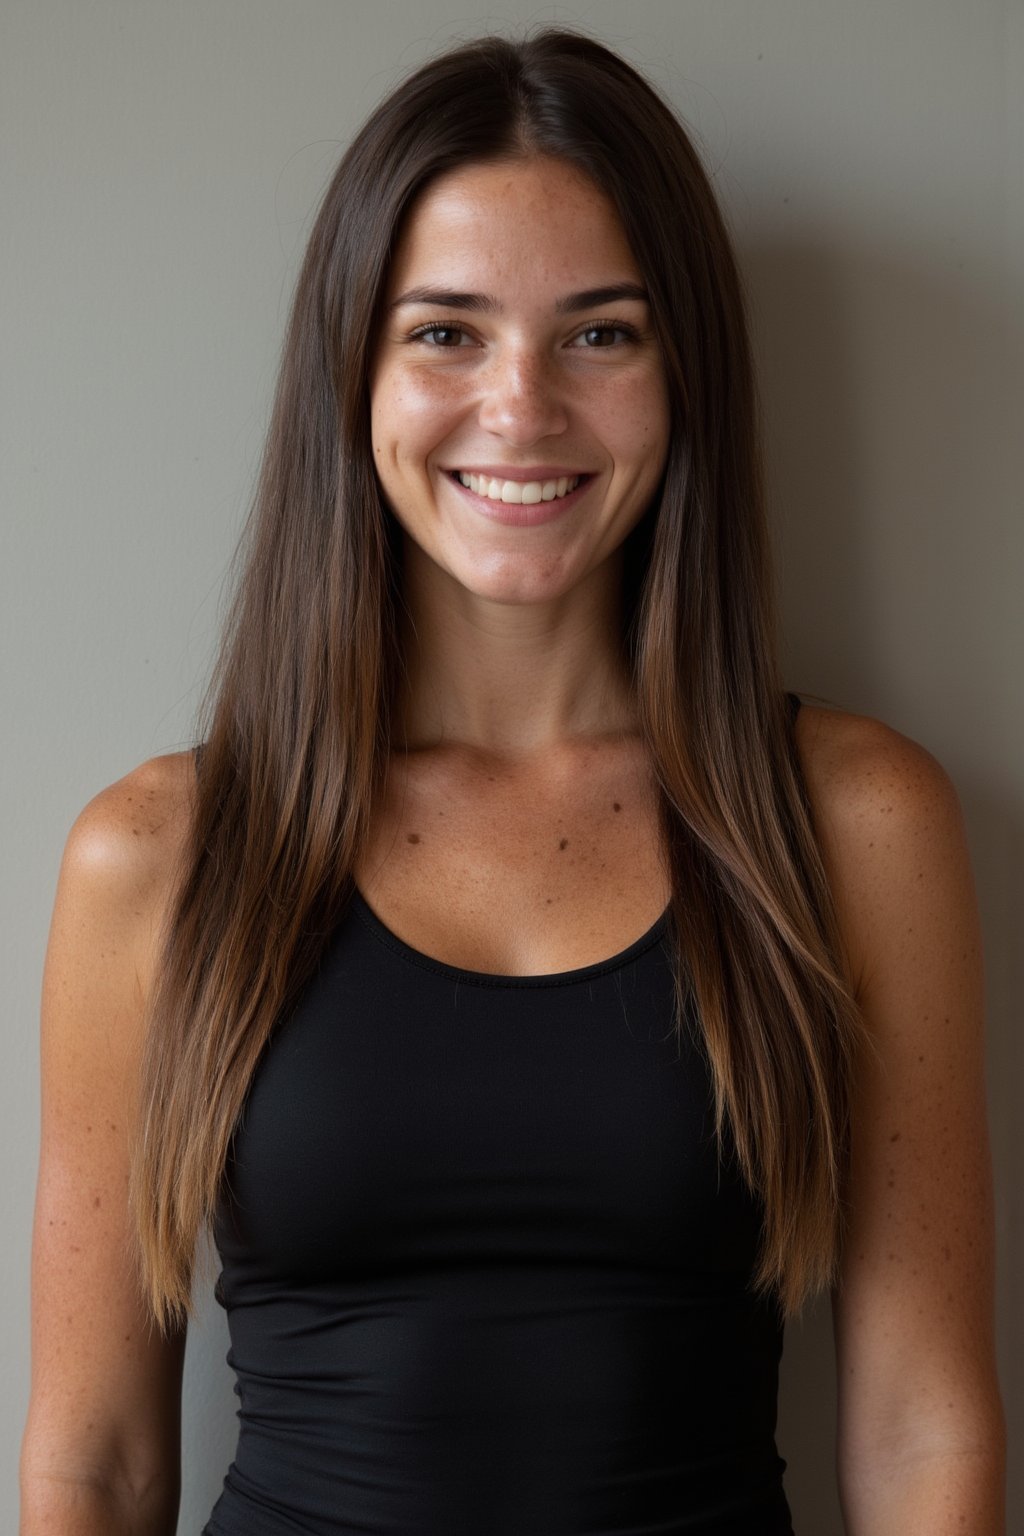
496, 978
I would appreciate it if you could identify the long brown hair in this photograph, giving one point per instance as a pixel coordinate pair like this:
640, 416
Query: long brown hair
297, 716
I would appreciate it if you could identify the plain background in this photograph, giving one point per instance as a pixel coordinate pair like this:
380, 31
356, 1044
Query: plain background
160, 166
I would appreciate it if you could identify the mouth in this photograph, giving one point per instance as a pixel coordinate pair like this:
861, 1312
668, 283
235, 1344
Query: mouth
518, 492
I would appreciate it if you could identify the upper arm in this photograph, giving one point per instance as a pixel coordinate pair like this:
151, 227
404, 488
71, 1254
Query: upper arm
105, 1391
913, 1309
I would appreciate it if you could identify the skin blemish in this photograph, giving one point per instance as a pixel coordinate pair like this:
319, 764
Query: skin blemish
616, 806
97, 1202
413, 837
895, 1136
564, 843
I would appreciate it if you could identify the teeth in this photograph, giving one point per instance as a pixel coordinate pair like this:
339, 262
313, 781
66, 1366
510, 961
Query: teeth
519, 492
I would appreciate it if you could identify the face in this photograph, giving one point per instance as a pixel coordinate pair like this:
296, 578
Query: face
520, 418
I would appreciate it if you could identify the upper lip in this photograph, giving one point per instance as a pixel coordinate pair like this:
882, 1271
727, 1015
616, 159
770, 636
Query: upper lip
517, 471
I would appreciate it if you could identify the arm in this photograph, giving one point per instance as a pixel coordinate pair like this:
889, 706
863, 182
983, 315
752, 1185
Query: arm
100, 1455
921, 1439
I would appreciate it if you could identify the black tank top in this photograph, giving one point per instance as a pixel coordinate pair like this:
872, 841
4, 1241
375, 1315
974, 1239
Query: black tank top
485, 1271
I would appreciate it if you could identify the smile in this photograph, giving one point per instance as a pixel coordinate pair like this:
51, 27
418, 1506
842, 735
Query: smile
518, 492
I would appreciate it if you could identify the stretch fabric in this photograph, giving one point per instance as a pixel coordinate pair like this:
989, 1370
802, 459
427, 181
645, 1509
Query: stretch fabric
485, 1268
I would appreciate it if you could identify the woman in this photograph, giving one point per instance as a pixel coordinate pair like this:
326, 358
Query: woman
537, 1002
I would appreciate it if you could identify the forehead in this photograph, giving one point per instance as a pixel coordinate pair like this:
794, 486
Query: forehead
527, 221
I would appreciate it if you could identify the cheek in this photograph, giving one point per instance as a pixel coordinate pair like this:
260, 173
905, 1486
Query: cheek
635, 425
412, 411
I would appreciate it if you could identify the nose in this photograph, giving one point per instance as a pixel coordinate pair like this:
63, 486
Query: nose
521, 400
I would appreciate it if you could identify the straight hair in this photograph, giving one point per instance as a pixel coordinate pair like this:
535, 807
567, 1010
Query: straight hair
296, 721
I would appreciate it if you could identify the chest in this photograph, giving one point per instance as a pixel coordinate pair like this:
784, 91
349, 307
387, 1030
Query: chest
518, 870
407, 1119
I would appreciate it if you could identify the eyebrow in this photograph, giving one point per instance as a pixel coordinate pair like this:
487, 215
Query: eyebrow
571, 303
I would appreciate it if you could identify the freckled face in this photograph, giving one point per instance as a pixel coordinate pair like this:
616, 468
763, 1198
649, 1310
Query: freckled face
520, 418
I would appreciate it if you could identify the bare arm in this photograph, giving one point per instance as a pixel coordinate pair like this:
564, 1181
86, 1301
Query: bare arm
921, 1439
100, 1455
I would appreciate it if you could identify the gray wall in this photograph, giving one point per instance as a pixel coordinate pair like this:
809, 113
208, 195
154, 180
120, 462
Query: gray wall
160, 163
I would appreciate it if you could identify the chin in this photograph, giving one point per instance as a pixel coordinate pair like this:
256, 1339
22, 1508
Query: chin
514, 586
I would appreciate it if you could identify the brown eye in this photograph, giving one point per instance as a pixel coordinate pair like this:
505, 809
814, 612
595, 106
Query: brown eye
602, 336
439, 335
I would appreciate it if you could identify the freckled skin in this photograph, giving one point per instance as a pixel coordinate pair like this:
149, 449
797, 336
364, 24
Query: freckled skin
913, 1303
103, 1383
524, 386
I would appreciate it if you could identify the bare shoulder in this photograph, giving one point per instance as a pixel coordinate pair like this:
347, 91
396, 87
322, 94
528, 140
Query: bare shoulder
913, 1307
856, 766
124, 847
128, 828
889, 823
105, 1385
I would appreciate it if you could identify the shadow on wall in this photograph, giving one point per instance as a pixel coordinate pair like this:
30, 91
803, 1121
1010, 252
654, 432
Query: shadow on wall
887, 392
887, 396
807, 1423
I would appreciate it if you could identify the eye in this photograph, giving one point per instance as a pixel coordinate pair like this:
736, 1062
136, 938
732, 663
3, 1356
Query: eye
440, 333
602, 334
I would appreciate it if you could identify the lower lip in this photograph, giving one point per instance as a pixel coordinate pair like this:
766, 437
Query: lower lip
517, 515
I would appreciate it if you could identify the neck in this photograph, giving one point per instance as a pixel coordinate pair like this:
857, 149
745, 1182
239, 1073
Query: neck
510, 679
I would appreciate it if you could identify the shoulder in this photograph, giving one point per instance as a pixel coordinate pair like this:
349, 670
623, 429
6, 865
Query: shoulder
105, 1384
122, 852
126, 839
889, 824
128, 828
913, 1301
857, 767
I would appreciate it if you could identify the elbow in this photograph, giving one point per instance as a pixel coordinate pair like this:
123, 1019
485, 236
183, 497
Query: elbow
932, 1469
115, 1499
